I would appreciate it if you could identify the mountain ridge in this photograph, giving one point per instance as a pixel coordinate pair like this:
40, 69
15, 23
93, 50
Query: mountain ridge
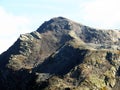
65, 51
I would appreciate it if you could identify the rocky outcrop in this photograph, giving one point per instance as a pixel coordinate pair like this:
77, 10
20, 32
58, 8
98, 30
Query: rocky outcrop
62, 55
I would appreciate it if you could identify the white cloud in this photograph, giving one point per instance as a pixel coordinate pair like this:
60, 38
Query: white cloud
10, 28
102, 13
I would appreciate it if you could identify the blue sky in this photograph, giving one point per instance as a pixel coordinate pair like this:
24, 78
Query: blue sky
23, 16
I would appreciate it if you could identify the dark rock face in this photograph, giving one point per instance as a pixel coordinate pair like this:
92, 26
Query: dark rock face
62, 55
55, 24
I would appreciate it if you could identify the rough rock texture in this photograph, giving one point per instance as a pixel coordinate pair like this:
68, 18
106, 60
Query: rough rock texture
62, 55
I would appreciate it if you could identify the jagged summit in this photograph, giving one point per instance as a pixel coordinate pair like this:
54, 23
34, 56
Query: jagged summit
62, 55
87, 34
57, 23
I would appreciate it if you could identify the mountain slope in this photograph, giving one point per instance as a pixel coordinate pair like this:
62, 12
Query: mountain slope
62, 54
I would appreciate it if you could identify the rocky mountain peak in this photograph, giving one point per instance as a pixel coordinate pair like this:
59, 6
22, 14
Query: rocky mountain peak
61, 25
58, 23
62, 55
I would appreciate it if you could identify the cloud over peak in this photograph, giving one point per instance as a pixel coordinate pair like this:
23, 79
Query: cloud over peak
10, 27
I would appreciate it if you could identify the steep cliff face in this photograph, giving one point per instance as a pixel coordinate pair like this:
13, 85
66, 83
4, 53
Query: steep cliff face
62, 55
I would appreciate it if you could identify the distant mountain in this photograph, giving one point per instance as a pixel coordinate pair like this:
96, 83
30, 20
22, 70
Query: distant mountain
62, 55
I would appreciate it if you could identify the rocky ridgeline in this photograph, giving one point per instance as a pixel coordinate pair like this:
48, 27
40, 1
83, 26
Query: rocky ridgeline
62, 55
